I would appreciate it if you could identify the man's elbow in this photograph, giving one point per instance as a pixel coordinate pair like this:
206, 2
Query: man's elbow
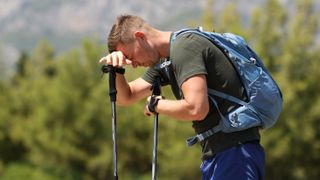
124, 102
199, 114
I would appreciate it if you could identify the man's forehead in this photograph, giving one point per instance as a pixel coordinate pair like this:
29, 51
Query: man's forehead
123, 48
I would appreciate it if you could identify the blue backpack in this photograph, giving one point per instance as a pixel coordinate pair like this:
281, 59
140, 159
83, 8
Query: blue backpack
265, 99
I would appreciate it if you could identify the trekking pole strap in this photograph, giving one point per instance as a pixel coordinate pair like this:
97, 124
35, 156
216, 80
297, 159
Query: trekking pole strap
107, 68
153, 103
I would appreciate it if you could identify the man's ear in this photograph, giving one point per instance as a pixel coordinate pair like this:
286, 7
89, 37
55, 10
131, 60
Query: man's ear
139, 34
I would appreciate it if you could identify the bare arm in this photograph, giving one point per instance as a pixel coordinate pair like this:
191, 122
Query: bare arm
194, 106
127, 93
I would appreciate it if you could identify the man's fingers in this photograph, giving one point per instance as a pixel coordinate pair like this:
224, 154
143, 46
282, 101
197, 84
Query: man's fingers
121, 59
102, 60
105, 59
116, 59
146, 111
128, 62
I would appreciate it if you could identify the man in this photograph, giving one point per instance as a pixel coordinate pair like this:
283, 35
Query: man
198, 65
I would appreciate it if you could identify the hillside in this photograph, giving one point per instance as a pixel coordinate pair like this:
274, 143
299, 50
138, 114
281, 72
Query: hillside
65, 23
23, 23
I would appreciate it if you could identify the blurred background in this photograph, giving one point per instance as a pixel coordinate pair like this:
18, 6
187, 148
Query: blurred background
55, 114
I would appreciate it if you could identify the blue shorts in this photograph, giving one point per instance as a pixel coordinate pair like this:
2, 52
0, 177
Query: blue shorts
242, 162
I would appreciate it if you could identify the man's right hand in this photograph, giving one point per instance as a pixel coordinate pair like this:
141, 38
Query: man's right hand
116, 59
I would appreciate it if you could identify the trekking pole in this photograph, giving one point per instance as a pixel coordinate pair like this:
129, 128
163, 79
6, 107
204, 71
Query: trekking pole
113, 97
155, 91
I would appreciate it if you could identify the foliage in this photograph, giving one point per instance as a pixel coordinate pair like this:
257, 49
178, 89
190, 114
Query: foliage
55, 122
286, 41
55, 114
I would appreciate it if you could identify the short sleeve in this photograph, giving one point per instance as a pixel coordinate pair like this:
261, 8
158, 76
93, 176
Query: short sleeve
150, 75
187, 54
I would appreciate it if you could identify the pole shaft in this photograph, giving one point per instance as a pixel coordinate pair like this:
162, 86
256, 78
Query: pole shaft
156, 90
114, 140
113, 97
155, 147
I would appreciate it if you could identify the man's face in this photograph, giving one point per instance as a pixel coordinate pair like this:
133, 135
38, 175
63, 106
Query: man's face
140, 52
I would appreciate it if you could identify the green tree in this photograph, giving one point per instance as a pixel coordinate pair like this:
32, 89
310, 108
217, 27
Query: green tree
286, 41
297, 151
268, 32
55, 115
208, 17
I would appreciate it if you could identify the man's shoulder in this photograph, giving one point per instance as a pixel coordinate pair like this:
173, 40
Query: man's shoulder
190, 37
190, 43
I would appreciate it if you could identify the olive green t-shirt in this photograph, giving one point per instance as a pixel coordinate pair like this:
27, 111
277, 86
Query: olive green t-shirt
191, 55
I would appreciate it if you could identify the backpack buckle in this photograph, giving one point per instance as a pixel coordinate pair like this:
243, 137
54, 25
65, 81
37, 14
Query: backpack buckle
191, 141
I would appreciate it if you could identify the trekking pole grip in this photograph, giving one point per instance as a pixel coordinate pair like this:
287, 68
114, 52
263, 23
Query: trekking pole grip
112, 79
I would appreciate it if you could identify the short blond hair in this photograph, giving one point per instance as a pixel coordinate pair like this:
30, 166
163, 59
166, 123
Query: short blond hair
121, 31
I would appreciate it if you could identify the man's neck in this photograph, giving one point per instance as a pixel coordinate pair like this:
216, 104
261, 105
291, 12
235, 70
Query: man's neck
163, 43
